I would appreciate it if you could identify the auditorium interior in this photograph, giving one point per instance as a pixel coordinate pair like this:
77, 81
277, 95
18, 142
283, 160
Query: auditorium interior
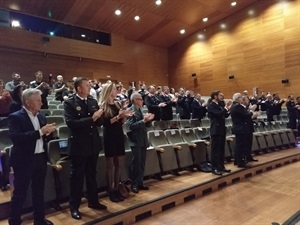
250, 47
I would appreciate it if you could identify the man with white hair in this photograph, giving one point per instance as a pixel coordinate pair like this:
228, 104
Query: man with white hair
59, 88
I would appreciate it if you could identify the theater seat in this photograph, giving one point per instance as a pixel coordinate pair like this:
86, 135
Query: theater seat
58, 120
165, 151
62, 132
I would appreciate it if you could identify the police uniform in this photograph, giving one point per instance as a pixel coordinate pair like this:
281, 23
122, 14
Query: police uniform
84, 146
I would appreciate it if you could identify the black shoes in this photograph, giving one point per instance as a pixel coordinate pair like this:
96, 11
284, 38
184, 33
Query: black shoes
115, 196
97, 205
216, 172
135, 190
42, 222
75, 214
252, 160
226, 170
144, 187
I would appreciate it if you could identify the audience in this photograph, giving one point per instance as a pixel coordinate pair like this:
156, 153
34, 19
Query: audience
5, 100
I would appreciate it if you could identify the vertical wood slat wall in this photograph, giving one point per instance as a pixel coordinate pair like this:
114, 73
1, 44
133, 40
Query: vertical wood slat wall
259, 50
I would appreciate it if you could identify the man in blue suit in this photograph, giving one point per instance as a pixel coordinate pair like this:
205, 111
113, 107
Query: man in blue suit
138, 141
29, 132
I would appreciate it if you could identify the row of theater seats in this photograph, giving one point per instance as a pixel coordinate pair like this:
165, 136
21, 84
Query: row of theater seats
172, 150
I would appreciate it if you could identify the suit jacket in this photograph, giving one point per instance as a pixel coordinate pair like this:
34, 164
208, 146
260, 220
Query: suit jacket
152, 105
166, 113
137, 135
241, 120
183, 107
84, 137
24, 137
198, 111
217, 115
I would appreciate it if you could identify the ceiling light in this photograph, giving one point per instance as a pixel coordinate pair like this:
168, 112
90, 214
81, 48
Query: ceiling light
118, 12
182, 31
205, 19
137, 18
223, 26
233, 3
97, 40
15, 23
201, 36
82, 35
158, 2
251, 12
51, 33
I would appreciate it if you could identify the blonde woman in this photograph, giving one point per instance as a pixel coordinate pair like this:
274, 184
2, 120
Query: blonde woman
114, 116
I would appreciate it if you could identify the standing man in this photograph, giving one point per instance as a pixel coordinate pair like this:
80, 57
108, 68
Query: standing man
16, 80
59, 88
153, 102
82, 115
242, 127
217, 114
38, 83
138, 141
29, 132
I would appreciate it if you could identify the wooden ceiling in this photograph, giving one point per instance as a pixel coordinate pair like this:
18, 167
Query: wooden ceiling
158, 25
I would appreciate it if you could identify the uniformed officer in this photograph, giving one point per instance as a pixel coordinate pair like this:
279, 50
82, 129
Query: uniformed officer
82, 115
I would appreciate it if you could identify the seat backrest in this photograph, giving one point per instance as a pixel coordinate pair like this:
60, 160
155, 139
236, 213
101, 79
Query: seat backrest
173, 136
57, 112
58, 120
160, 125
63, 131
173, 124
205, 122
56, 149
45, 112
195, 123
201, 133
156, 138
188, 135
3, 123
54, 102
5, 140
52, 106
184, 123
60, 106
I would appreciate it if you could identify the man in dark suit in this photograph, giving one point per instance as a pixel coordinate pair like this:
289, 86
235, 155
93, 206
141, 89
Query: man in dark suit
183, 104
153, 102
82, 115
166, 111
242, 127
198, 108
138, 141
217, 115
29, 132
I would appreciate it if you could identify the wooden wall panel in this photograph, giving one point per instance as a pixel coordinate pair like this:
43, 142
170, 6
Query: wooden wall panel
124, 61
258, 49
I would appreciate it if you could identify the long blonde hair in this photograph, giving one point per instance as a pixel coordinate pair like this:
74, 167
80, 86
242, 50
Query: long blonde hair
104, 99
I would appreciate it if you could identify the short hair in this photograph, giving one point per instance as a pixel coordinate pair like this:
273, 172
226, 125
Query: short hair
78, 82
236, 96
28, 93
214, 93
37, 72
134, 95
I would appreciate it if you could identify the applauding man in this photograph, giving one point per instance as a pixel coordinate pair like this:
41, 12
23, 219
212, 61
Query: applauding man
29, 132
138, 141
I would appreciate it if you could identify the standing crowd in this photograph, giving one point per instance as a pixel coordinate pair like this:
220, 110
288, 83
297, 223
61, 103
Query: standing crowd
89, 104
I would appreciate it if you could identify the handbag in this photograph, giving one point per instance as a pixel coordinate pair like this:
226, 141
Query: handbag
124, 190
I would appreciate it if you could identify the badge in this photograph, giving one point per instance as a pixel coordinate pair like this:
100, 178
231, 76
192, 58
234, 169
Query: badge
78, 108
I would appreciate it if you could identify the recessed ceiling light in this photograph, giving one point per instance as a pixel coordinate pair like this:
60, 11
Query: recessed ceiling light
251, 12
15, 23
233, 3
118, 12
137, 18
205, 19
223, 26
82, 35
51, 33
158, 2
182, 31
201, 36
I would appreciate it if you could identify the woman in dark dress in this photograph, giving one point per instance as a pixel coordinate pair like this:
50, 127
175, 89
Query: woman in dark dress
114, 116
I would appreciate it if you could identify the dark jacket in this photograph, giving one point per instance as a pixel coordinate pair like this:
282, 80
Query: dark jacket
241, 120
137, 135
183, 107
166, 113
198, 111
152, 105
84, 138
24, 137
217, 115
